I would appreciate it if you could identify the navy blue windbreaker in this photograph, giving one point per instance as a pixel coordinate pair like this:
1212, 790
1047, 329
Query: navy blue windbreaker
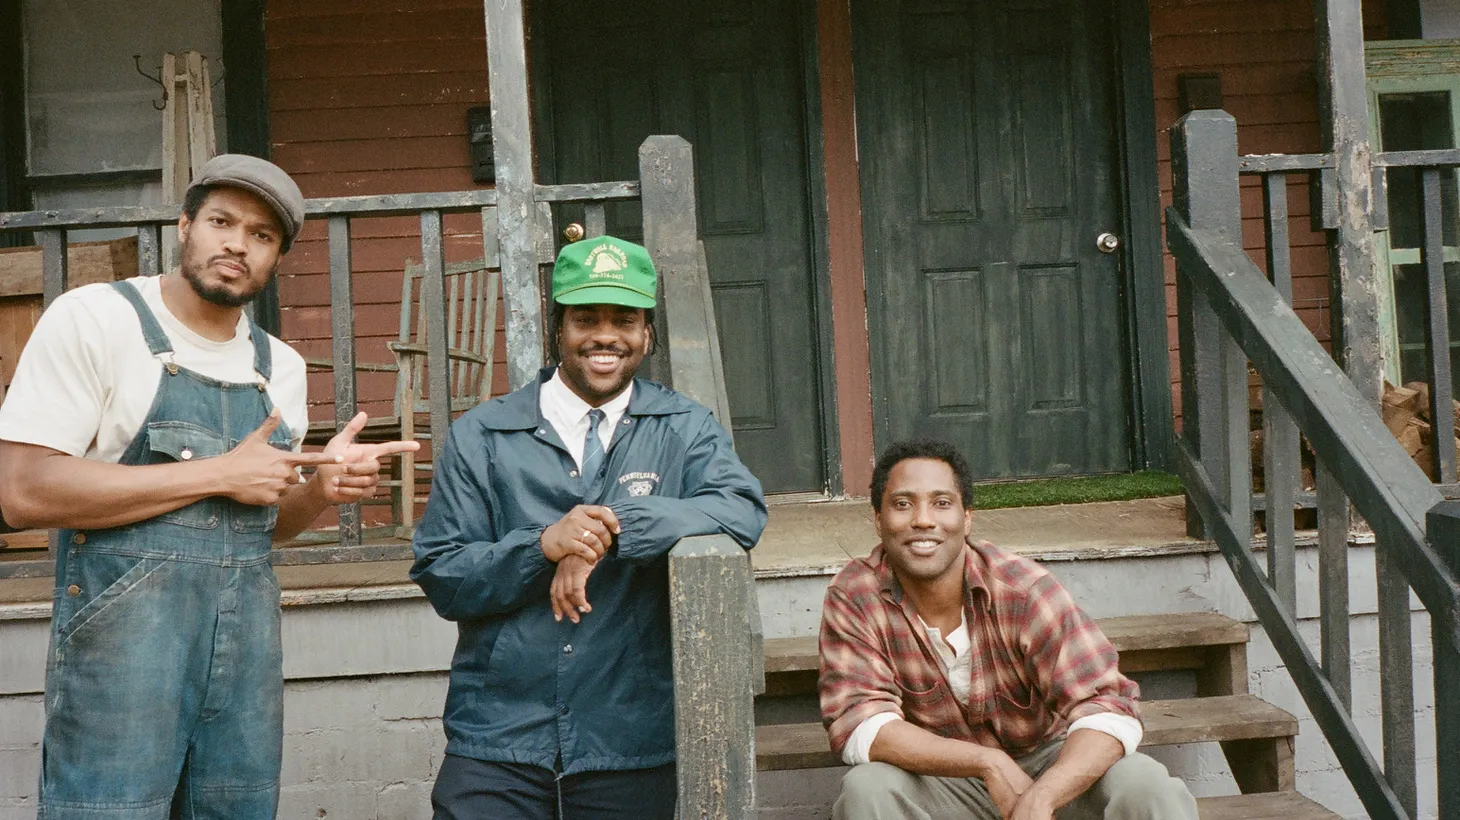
599, 695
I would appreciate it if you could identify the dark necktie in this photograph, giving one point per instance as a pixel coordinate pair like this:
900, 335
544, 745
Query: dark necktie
593, 448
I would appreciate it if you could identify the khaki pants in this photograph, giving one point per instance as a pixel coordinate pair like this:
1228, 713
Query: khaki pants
1135, 788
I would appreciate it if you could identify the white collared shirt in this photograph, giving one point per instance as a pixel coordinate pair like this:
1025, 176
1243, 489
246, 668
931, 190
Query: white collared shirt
568, 414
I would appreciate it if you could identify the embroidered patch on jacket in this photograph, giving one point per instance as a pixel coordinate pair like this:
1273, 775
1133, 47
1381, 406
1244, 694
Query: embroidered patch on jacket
639, 484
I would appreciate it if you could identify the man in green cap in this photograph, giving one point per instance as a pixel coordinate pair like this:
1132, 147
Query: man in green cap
552, 513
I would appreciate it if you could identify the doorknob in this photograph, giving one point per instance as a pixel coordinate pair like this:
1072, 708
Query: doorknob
1107, 242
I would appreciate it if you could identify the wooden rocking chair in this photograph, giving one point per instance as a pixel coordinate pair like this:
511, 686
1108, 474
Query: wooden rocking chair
471, 297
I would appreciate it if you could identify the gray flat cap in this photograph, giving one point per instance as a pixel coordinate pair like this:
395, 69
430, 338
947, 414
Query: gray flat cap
262, 178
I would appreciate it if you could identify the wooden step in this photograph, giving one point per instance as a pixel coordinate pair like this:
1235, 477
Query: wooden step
1213, 645
1167, 722
1287, 805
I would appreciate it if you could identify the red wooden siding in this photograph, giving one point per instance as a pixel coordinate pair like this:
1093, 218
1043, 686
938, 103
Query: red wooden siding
370, 97
1266, 54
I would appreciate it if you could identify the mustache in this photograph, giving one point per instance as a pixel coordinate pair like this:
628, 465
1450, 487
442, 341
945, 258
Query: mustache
228, 257
597, 348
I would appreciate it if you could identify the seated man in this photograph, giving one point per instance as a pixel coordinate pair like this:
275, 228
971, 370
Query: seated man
962, 681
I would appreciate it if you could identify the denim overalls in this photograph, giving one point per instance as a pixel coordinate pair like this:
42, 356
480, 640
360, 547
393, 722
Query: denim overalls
164, 685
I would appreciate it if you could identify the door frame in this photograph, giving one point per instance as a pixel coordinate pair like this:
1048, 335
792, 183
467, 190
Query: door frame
1143, 264
817, 250
1142, 270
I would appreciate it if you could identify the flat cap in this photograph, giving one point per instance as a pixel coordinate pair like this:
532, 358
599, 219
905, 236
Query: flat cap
262, 178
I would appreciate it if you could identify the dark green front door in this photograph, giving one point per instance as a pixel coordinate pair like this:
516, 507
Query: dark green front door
987, 132
727, 76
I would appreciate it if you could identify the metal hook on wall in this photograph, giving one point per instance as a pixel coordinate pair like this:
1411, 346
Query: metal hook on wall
137, 61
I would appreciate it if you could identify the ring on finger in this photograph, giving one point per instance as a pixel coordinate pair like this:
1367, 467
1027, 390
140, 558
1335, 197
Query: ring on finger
587, 535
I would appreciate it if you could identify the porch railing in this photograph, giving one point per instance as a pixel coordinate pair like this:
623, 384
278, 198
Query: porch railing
671, 236
1230, 314
716, 625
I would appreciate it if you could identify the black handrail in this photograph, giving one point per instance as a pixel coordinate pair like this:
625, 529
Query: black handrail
1229, 315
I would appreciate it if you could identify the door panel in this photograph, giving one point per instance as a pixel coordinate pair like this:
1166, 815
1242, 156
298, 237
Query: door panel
727, 76
989, 164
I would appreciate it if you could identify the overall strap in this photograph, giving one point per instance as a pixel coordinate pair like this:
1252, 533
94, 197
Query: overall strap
157, 340
263, 362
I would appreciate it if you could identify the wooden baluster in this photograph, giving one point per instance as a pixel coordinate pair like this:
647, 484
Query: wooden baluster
1281, 463
433, 314
342, 332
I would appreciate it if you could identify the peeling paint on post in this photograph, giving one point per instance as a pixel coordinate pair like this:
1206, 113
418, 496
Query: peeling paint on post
1344, 103
711, 596
671, 233
516, 208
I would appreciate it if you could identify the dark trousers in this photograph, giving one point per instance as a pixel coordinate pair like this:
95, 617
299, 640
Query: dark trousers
468, 789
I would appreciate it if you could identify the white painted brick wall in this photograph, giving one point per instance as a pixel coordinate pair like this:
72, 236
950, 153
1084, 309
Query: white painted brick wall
369, 745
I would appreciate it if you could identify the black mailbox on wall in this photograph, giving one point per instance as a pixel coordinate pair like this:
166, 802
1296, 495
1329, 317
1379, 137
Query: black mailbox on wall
479, 135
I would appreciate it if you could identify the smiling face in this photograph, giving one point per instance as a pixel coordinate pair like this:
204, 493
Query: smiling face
231, 247
601, 347
922, 521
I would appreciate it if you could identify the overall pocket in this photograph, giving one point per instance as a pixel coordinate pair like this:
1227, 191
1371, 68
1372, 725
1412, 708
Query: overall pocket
104, 589
180, 441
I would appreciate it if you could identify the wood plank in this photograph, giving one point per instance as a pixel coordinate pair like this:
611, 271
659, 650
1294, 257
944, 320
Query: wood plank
86, 263
1168, 722
1128, 634
1270, 806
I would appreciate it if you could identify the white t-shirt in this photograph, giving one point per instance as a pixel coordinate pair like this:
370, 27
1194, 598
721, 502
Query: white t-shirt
86, 380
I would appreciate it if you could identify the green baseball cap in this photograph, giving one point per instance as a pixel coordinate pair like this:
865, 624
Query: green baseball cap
604, 270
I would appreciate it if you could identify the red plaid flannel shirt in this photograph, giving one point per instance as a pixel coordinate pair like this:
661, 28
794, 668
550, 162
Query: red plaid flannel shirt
1038, 662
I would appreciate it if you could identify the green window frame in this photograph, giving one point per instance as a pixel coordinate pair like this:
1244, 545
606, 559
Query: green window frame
1417, 71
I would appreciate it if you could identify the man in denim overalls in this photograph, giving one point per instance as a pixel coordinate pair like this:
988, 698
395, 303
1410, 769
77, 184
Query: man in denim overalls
157, 427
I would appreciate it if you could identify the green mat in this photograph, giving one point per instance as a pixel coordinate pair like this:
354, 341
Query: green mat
1075, 490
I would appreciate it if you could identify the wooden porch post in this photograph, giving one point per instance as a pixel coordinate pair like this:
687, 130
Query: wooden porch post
1353, 300
1354, 323
516, 209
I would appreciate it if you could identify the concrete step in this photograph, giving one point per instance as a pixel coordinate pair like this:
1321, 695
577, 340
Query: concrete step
1167, 722
1212, 645
1287, 805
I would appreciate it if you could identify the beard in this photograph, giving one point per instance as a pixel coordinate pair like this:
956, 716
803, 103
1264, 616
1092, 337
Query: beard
218, 294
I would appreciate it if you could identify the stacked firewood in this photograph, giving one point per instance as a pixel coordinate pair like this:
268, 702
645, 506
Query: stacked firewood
1406, 412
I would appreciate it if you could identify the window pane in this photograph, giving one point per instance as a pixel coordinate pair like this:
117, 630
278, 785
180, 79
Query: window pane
1410, 300
1416, 122
87, 107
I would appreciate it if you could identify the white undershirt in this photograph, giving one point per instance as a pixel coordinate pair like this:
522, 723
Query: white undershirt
568, 414
957, 663
86, 380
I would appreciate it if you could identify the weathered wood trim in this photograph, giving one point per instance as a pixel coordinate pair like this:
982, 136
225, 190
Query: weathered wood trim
847, 284
433, 311
1437, 326
818, 251
149, 252
1435, 158
1396, 677
587, 191
1333, 574
516, 207
671, 234
342, 336
1280, 445
1144, 266
1344, 104
1444, 529
133, 216
710, 597
1271, 163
